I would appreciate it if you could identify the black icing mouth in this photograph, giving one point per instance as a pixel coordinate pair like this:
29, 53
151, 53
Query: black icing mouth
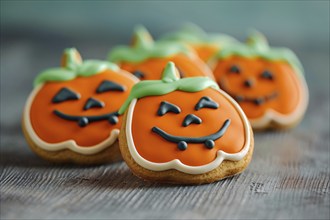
255, 100
182, 141
85, 120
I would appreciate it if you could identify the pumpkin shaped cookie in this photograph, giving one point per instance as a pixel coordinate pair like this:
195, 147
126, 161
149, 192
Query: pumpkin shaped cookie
146, 58
205, 44
72, 113
267, 82
184, 131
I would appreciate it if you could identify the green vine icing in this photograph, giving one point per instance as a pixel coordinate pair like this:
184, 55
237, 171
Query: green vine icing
145, 48
170, 82
193, 34
257, 47
142, 37
74, 68
72, 58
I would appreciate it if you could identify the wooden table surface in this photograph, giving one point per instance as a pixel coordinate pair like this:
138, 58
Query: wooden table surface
288, 177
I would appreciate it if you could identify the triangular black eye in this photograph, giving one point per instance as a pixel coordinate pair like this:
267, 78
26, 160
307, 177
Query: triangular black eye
139, 74
167, 107
235, 69
206, 102
107, 85
93, 103
267, 75
65, 94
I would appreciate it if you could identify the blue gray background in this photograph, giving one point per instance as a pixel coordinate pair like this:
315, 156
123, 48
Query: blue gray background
288, 177
34, 33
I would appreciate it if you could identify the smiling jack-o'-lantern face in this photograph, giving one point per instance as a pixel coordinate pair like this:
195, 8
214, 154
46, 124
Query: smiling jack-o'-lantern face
183, 123
186, 126
263, 81
76, 106
83, 109
146, 59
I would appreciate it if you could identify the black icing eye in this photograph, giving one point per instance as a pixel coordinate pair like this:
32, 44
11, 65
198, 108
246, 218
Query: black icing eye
107, 85
267, 75
65, 94
139, 74
166, 107
235, 69
206, 102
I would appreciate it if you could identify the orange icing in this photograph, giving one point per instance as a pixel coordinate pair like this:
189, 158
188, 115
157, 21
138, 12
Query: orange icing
286, 83
204, 51
153, 68
154, 148
52, 129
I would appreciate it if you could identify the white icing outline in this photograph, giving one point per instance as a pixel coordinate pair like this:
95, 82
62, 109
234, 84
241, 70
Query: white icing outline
177, 164
69, 144
273, 116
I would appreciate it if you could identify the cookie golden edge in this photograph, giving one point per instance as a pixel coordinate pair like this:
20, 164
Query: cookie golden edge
226, 169
109, 155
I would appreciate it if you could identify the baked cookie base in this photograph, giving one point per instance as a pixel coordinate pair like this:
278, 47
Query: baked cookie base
109, 155
275, 126
226, 169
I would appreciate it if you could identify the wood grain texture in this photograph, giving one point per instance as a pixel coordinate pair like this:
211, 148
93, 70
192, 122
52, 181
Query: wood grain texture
288, 177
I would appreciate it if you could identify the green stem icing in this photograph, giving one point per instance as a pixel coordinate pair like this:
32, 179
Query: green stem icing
72, 60
145, 48
258, 41
170, 73
142, 37
257, 47
193, 34
170, 82
74, 68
